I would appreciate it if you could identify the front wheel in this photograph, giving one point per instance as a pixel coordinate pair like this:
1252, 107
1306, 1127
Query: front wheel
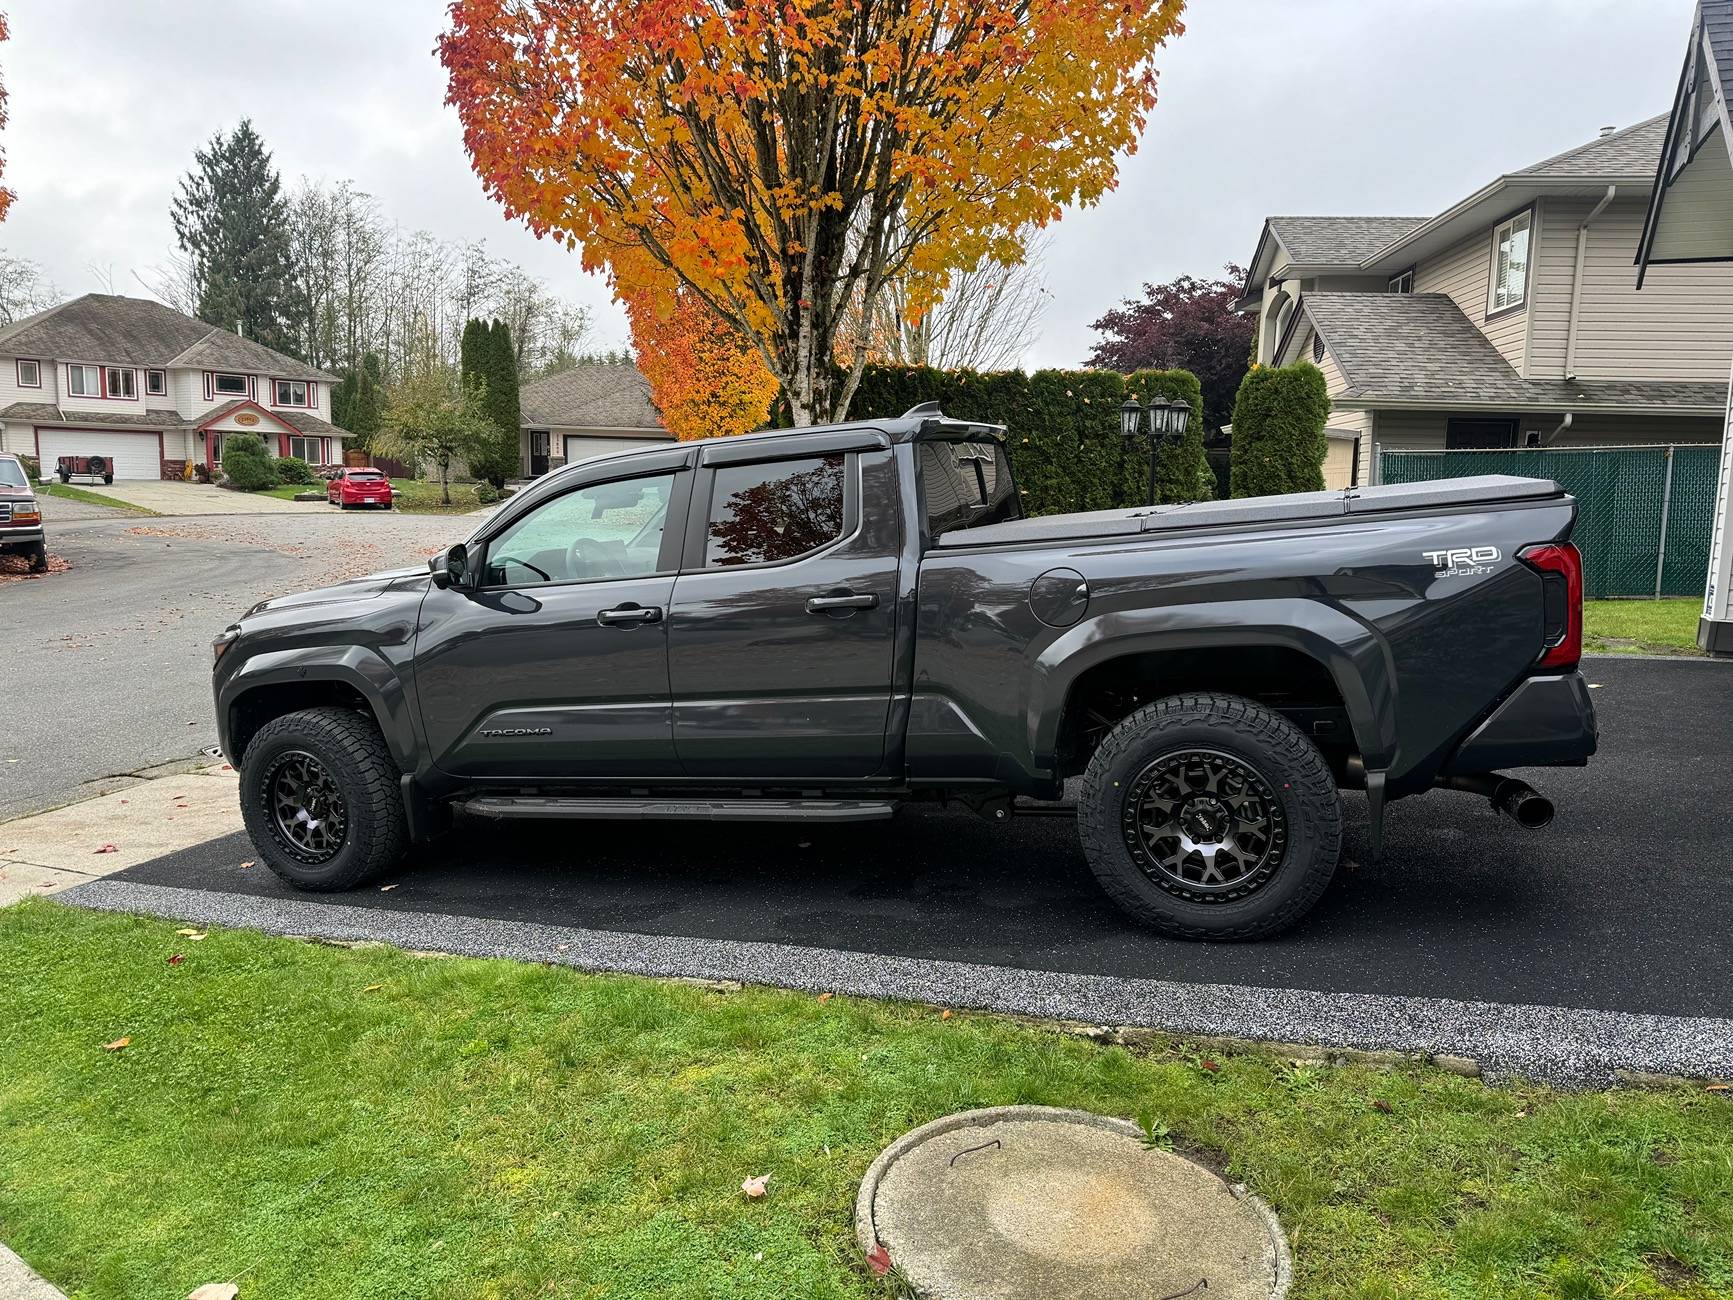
320, 798
1210, 817
38, 556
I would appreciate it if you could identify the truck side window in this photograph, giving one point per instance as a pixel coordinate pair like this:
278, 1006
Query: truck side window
773, 511
606, 530
967, 484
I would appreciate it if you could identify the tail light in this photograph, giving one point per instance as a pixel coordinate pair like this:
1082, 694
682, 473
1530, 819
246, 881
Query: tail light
1560, 566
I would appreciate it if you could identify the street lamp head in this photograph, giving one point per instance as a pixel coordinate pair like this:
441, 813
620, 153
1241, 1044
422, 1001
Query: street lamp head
1178, 416
1130, 416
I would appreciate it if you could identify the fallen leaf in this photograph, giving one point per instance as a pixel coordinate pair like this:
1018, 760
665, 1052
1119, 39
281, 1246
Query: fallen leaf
215, 1291
945, 1014
1379, 1104
754, 1187
245, 865
186, 929
879, 1259
1211, 1066
126, 800
386, 889
1718, 1087
108, 848
372, 988
227, 768
826, 997
117, 1044
175, 959
194, 936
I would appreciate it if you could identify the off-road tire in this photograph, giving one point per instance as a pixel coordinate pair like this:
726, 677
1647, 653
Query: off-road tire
348, 745
1276, 751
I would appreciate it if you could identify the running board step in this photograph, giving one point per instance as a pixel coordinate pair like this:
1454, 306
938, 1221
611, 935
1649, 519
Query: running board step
658, 810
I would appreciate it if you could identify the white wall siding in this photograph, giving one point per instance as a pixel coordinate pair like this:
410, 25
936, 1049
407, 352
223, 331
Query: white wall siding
12, 391
1464, 272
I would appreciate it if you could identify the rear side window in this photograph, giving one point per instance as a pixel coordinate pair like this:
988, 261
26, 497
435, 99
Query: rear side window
774, 511
966, 485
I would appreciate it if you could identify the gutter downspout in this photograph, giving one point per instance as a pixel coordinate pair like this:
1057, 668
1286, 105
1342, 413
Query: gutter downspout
1563, 425
1577, 280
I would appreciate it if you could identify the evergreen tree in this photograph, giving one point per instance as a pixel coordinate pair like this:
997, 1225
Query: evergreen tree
502, 381
232, 222
366, 407
488, 366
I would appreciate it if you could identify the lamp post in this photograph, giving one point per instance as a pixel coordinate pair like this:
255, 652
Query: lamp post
1159, 421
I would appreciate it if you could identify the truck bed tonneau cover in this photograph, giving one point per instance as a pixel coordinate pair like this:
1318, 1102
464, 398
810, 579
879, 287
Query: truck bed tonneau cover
1485, 489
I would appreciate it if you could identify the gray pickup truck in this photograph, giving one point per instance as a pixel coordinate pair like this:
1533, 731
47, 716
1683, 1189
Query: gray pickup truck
823, 624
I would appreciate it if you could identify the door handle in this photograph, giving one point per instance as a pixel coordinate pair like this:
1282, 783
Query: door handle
825, 604
629, 615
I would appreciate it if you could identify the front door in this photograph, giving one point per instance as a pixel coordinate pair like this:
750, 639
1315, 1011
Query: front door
780, 654
556, 664
538, 452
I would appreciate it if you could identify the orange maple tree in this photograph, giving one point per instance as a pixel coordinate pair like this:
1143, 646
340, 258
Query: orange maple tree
6, 195
703, 377
781, 159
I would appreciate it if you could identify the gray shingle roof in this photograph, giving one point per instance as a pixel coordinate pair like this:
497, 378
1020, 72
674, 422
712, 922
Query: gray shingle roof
48, 413
110, 328
1338, 241
1419, 347
1633, 151
1718, 22
590, 395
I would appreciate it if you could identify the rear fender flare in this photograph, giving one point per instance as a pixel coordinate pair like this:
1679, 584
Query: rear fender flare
1354, 656
359, 667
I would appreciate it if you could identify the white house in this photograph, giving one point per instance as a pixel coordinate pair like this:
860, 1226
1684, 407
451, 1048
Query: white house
589, 409
152, 389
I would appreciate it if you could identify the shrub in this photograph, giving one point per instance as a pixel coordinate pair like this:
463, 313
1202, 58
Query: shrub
32, 466
486, 493
245, 463
1278, 431
201, 471
292, 469
1182, 472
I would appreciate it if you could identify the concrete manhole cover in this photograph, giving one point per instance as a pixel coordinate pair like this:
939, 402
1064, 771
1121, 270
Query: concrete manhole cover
1032, 1201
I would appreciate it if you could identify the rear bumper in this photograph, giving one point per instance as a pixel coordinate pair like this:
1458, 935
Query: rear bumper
1545, 722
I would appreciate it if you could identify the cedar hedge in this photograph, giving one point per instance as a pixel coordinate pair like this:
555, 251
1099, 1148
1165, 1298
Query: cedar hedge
1062, 428
1278, 431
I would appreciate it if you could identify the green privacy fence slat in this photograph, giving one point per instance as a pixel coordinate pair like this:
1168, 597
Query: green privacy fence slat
1620, 493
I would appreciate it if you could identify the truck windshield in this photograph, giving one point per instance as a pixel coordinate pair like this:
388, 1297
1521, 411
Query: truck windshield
12, 474
966, 485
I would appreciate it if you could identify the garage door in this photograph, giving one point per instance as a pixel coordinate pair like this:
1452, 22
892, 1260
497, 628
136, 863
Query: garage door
1339, 464
133, 455
580, 447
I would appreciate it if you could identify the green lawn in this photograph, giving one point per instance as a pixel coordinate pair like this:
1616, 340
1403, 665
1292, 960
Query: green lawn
1641, 626
420, 497
69, 493
321, 1122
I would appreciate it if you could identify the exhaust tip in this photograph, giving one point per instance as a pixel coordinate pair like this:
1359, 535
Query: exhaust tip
1523, 804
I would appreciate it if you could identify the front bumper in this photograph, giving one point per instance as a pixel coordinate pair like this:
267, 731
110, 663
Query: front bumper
1544, 722
22, 536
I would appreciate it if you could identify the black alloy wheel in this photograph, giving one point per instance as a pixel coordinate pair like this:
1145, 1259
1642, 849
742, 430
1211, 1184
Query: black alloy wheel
1205, 826
308, 812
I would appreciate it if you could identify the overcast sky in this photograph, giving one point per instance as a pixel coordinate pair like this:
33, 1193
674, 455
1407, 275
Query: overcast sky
1390, 107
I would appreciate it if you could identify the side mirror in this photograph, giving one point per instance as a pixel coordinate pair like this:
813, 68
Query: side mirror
450, 568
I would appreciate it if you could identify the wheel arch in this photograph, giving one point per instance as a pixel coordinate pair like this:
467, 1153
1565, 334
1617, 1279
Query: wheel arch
1295, 657
271, 685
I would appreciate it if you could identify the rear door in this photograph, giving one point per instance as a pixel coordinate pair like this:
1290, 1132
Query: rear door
782, 635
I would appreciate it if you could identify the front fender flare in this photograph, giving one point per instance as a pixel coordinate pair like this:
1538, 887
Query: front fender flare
1350, 651
360, 667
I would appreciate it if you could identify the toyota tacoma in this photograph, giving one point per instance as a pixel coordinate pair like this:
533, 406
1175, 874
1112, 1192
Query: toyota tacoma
823, 624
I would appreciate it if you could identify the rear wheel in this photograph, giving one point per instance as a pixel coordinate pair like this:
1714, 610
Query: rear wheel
1210, 817
320, 798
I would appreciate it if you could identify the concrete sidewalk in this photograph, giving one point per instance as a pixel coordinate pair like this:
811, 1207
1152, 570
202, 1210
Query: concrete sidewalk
51, 851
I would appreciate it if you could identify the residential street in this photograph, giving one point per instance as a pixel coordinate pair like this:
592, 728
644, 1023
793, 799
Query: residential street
110, 670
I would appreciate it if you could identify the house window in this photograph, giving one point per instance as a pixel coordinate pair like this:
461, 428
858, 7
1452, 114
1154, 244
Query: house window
122, 383
84, 381
156, 382
1403, 283
292, 392
1479, 434
311, 450
1509, 264
229, 385
29, 374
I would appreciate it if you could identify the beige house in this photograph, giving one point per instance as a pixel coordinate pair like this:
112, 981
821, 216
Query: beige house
588, 410
1511, 319
150, 389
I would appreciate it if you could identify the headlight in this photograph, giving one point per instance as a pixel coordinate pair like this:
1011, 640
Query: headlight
30, 514
220, 646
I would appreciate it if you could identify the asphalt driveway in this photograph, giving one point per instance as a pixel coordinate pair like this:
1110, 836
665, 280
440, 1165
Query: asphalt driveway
1623, 906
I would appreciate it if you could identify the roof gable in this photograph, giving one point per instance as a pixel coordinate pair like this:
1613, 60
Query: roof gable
117, 330
590, 395
1690, 213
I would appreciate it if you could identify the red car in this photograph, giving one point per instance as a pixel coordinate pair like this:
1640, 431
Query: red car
359, 487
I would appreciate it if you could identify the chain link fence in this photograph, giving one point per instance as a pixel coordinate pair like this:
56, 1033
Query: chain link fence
1643, 513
